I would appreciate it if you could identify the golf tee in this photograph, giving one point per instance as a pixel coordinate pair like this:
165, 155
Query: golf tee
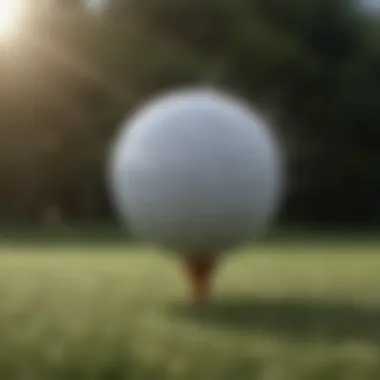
200, 271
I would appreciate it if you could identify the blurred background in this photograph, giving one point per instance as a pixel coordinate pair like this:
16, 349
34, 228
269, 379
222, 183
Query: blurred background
284, 309
71, 71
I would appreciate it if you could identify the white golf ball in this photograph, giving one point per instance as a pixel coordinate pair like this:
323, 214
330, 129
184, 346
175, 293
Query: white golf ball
196, 171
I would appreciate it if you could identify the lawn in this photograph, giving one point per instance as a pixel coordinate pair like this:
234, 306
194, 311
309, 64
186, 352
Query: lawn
290, 311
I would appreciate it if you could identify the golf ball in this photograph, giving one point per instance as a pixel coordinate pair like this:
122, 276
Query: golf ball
196, 171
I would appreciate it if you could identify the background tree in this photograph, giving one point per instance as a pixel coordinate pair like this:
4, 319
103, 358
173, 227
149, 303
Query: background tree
311, 66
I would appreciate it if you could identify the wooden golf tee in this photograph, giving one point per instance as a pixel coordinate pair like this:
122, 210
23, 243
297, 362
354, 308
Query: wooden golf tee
200, 270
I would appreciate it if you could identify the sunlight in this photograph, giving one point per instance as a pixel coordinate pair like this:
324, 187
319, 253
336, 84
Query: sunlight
10, 14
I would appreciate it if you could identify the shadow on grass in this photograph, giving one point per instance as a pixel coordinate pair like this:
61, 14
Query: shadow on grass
293, 318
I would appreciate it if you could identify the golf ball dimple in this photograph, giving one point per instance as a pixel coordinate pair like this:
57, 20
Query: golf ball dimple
196, 171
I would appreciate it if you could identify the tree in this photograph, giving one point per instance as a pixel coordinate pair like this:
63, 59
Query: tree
312, 66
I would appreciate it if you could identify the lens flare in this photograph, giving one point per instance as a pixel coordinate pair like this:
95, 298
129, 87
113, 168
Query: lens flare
10, 14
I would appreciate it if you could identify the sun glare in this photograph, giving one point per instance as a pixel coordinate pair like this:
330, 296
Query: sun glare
10, 14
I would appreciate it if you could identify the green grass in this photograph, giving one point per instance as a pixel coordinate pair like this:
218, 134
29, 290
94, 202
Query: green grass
279, 312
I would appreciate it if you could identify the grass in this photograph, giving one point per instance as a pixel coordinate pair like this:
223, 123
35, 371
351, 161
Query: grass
291, 311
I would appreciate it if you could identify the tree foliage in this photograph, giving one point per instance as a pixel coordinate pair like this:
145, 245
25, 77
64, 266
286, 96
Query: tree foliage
312, 66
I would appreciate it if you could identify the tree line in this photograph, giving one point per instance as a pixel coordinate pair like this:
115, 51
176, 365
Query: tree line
311, 66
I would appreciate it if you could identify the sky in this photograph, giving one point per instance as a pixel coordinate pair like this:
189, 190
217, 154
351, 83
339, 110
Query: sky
96, 5
371, 4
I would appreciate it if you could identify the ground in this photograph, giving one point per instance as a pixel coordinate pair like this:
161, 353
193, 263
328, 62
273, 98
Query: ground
288, 310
